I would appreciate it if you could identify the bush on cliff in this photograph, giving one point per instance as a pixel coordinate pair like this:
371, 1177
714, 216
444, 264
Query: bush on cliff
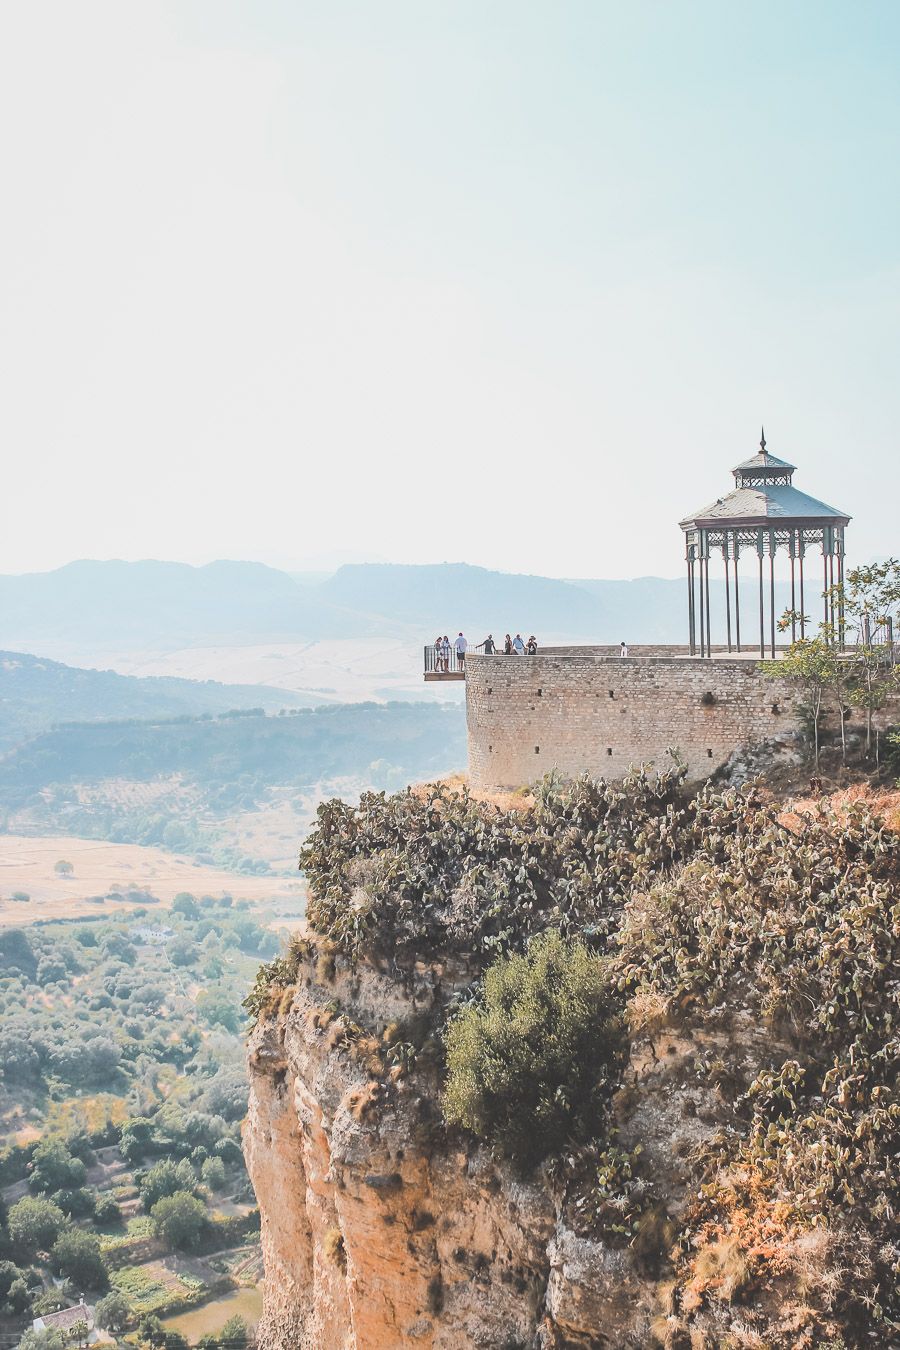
431, 872
768, 943
801, 928
533, 1059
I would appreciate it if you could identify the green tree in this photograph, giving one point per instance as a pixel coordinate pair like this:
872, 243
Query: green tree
214, 968
63, 868
107, 1212
135, 1138
870, 594
54, 1168
218, 1009
79, 1332
76, 1255
113, 1312
179, 1219
213, 1173
42, 1340
115, 943
161, 1180
532, 1060
234, 1333
14, 1298
809, 665
34, 1225
184, 903
182, 951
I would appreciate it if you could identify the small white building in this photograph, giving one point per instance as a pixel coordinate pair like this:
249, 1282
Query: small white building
154, 937
67, 1319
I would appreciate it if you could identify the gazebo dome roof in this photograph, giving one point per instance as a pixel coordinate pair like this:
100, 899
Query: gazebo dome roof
764, 495
762, 461
772, 504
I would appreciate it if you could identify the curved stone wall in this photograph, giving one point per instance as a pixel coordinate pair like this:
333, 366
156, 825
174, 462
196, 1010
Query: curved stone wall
583, 711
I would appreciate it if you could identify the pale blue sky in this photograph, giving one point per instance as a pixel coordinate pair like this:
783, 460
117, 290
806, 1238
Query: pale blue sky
425, 281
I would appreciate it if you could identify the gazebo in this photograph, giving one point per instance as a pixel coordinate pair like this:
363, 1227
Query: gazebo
763, 513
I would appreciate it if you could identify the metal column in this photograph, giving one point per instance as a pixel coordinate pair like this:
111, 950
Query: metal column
762, 610
841, 631
772, 546
708, 623
727, 592
700, 605
737, 592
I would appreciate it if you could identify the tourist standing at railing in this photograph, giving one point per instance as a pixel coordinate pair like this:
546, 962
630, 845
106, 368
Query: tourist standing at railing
462, 647
623, 649
531, 646
518, 645
488, 646
508, 646
445, 653
438, 654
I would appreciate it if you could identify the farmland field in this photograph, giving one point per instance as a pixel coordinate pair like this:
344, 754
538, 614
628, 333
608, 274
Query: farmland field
99, 869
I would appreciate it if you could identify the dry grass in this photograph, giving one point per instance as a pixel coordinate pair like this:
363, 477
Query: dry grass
26, 864
518, 800
720, 1271
333, 1248
364, 1101
799, 811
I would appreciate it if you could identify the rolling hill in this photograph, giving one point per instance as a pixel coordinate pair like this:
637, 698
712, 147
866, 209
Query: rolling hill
84, 610
36, 694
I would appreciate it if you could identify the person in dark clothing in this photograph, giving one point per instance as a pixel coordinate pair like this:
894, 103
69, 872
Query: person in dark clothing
488, 646
507, 646
531, 646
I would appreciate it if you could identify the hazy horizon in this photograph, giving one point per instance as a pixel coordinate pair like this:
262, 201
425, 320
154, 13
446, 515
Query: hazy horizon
512, 284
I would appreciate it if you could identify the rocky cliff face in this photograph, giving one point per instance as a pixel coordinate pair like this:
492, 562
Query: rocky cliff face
380, 1229
738, 1189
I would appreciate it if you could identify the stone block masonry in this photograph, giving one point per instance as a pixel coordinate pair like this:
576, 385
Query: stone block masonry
591, 711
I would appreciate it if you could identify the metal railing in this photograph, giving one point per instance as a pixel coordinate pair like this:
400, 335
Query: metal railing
441, 663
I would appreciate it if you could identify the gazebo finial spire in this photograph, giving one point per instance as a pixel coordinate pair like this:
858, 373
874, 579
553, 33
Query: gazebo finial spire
762, 442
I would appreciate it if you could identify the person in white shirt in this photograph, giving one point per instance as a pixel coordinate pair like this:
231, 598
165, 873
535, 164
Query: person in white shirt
461, 649
623, 650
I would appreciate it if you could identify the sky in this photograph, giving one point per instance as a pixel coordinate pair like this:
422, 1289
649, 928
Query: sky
508, 283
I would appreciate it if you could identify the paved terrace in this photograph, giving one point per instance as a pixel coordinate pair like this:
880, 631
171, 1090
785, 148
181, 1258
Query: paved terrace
593, 652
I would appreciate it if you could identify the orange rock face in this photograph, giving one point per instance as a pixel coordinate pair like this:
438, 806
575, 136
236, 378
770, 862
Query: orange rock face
380, 1230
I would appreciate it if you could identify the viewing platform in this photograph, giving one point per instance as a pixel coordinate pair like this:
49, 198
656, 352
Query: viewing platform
447, 667
451, 668
639, 653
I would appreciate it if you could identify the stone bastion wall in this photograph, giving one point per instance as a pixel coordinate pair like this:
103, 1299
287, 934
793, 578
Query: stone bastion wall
588, 710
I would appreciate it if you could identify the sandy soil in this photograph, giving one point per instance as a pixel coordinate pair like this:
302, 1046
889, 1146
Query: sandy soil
27, 864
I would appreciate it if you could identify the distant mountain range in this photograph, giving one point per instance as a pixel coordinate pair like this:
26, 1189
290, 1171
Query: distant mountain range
36, 694
88, 607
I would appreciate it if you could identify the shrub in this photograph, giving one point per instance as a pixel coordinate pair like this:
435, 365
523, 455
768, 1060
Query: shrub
213, 1173
112, 1311
531, 1062
424, 874
107, 1212
179, 1219
55, 1168
34, 1224
76, 1255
